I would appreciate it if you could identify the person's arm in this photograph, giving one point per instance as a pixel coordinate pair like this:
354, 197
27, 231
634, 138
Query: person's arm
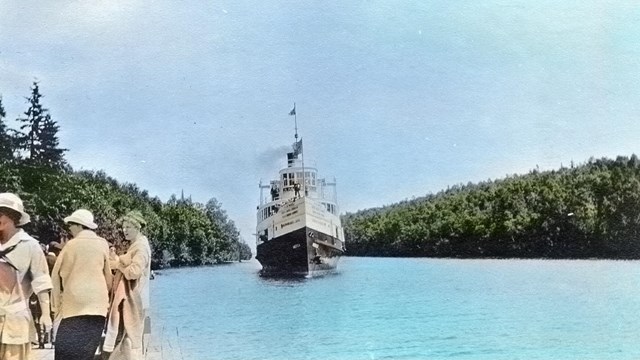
41, 283
56, 292
45, 319
108, 275
139, 261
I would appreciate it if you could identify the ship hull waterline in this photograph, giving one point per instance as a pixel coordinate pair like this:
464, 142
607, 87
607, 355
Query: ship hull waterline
302, 252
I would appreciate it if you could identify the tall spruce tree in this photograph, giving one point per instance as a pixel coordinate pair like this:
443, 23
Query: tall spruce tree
6, 148
39, 133
51, 155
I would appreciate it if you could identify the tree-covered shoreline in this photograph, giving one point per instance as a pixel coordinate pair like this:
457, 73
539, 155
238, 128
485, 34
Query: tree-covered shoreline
586, 211
32, 164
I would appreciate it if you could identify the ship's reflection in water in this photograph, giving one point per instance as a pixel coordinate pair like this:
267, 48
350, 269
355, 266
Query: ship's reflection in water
292, 279
283, 279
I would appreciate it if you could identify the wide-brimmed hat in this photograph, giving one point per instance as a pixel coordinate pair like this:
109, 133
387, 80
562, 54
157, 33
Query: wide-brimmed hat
13, 202
83, 217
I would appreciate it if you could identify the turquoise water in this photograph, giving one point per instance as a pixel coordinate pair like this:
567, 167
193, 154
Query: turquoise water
380, 308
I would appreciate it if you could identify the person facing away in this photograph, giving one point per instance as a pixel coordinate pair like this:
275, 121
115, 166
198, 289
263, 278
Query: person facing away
81, 284
130, 302
23, 271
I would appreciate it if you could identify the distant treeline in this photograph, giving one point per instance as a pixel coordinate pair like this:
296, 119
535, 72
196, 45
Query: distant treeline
588, 211
32, 164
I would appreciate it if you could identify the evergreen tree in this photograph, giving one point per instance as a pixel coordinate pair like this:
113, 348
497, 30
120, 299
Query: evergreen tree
9, 179
51, 154
39, 133
30, 129
6, 148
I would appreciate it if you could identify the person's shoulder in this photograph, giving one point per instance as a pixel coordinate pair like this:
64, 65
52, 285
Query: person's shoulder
142, 244
103, 243
146, 243
26, 238
91, 238
102, 240
29, 241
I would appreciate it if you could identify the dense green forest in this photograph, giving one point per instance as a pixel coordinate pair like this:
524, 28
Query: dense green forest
586, 211
32, 164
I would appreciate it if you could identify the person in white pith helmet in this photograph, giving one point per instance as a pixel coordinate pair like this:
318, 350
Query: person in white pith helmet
23, 271
81, 284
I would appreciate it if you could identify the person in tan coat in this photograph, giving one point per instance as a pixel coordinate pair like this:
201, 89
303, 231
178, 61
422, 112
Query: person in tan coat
130, 302
81, 284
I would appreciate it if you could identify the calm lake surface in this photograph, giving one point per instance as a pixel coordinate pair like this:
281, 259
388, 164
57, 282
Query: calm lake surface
385, 308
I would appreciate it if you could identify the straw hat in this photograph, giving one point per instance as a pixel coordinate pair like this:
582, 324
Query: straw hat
13, 202
82, 217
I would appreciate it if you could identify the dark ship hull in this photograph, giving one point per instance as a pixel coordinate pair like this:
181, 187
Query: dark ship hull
302, 252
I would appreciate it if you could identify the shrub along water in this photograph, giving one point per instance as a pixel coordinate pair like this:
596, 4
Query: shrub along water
586, 211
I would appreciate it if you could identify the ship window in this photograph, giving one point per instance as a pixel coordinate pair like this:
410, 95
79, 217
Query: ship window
288, 182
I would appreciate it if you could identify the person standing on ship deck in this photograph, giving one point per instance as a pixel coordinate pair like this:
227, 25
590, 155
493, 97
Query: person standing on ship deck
296, 189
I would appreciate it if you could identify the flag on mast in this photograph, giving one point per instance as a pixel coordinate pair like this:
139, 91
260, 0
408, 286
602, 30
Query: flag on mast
297, 148
293, 111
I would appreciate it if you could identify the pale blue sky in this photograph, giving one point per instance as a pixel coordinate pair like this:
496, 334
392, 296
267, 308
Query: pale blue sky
395, 98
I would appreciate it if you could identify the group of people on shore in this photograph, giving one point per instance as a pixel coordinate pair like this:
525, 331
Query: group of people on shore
91, 291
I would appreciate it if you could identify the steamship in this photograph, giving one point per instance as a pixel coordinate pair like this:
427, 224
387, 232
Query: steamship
298, 225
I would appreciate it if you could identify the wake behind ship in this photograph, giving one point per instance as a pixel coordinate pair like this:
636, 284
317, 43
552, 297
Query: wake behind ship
299, 230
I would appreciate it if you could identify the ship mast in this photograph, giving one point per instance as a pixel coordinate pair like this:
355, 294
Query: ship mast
298, 147
295, 120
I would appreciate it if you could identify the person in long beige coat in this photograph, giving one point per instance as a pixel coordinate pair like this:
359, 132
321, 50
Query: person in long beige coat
131, 293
